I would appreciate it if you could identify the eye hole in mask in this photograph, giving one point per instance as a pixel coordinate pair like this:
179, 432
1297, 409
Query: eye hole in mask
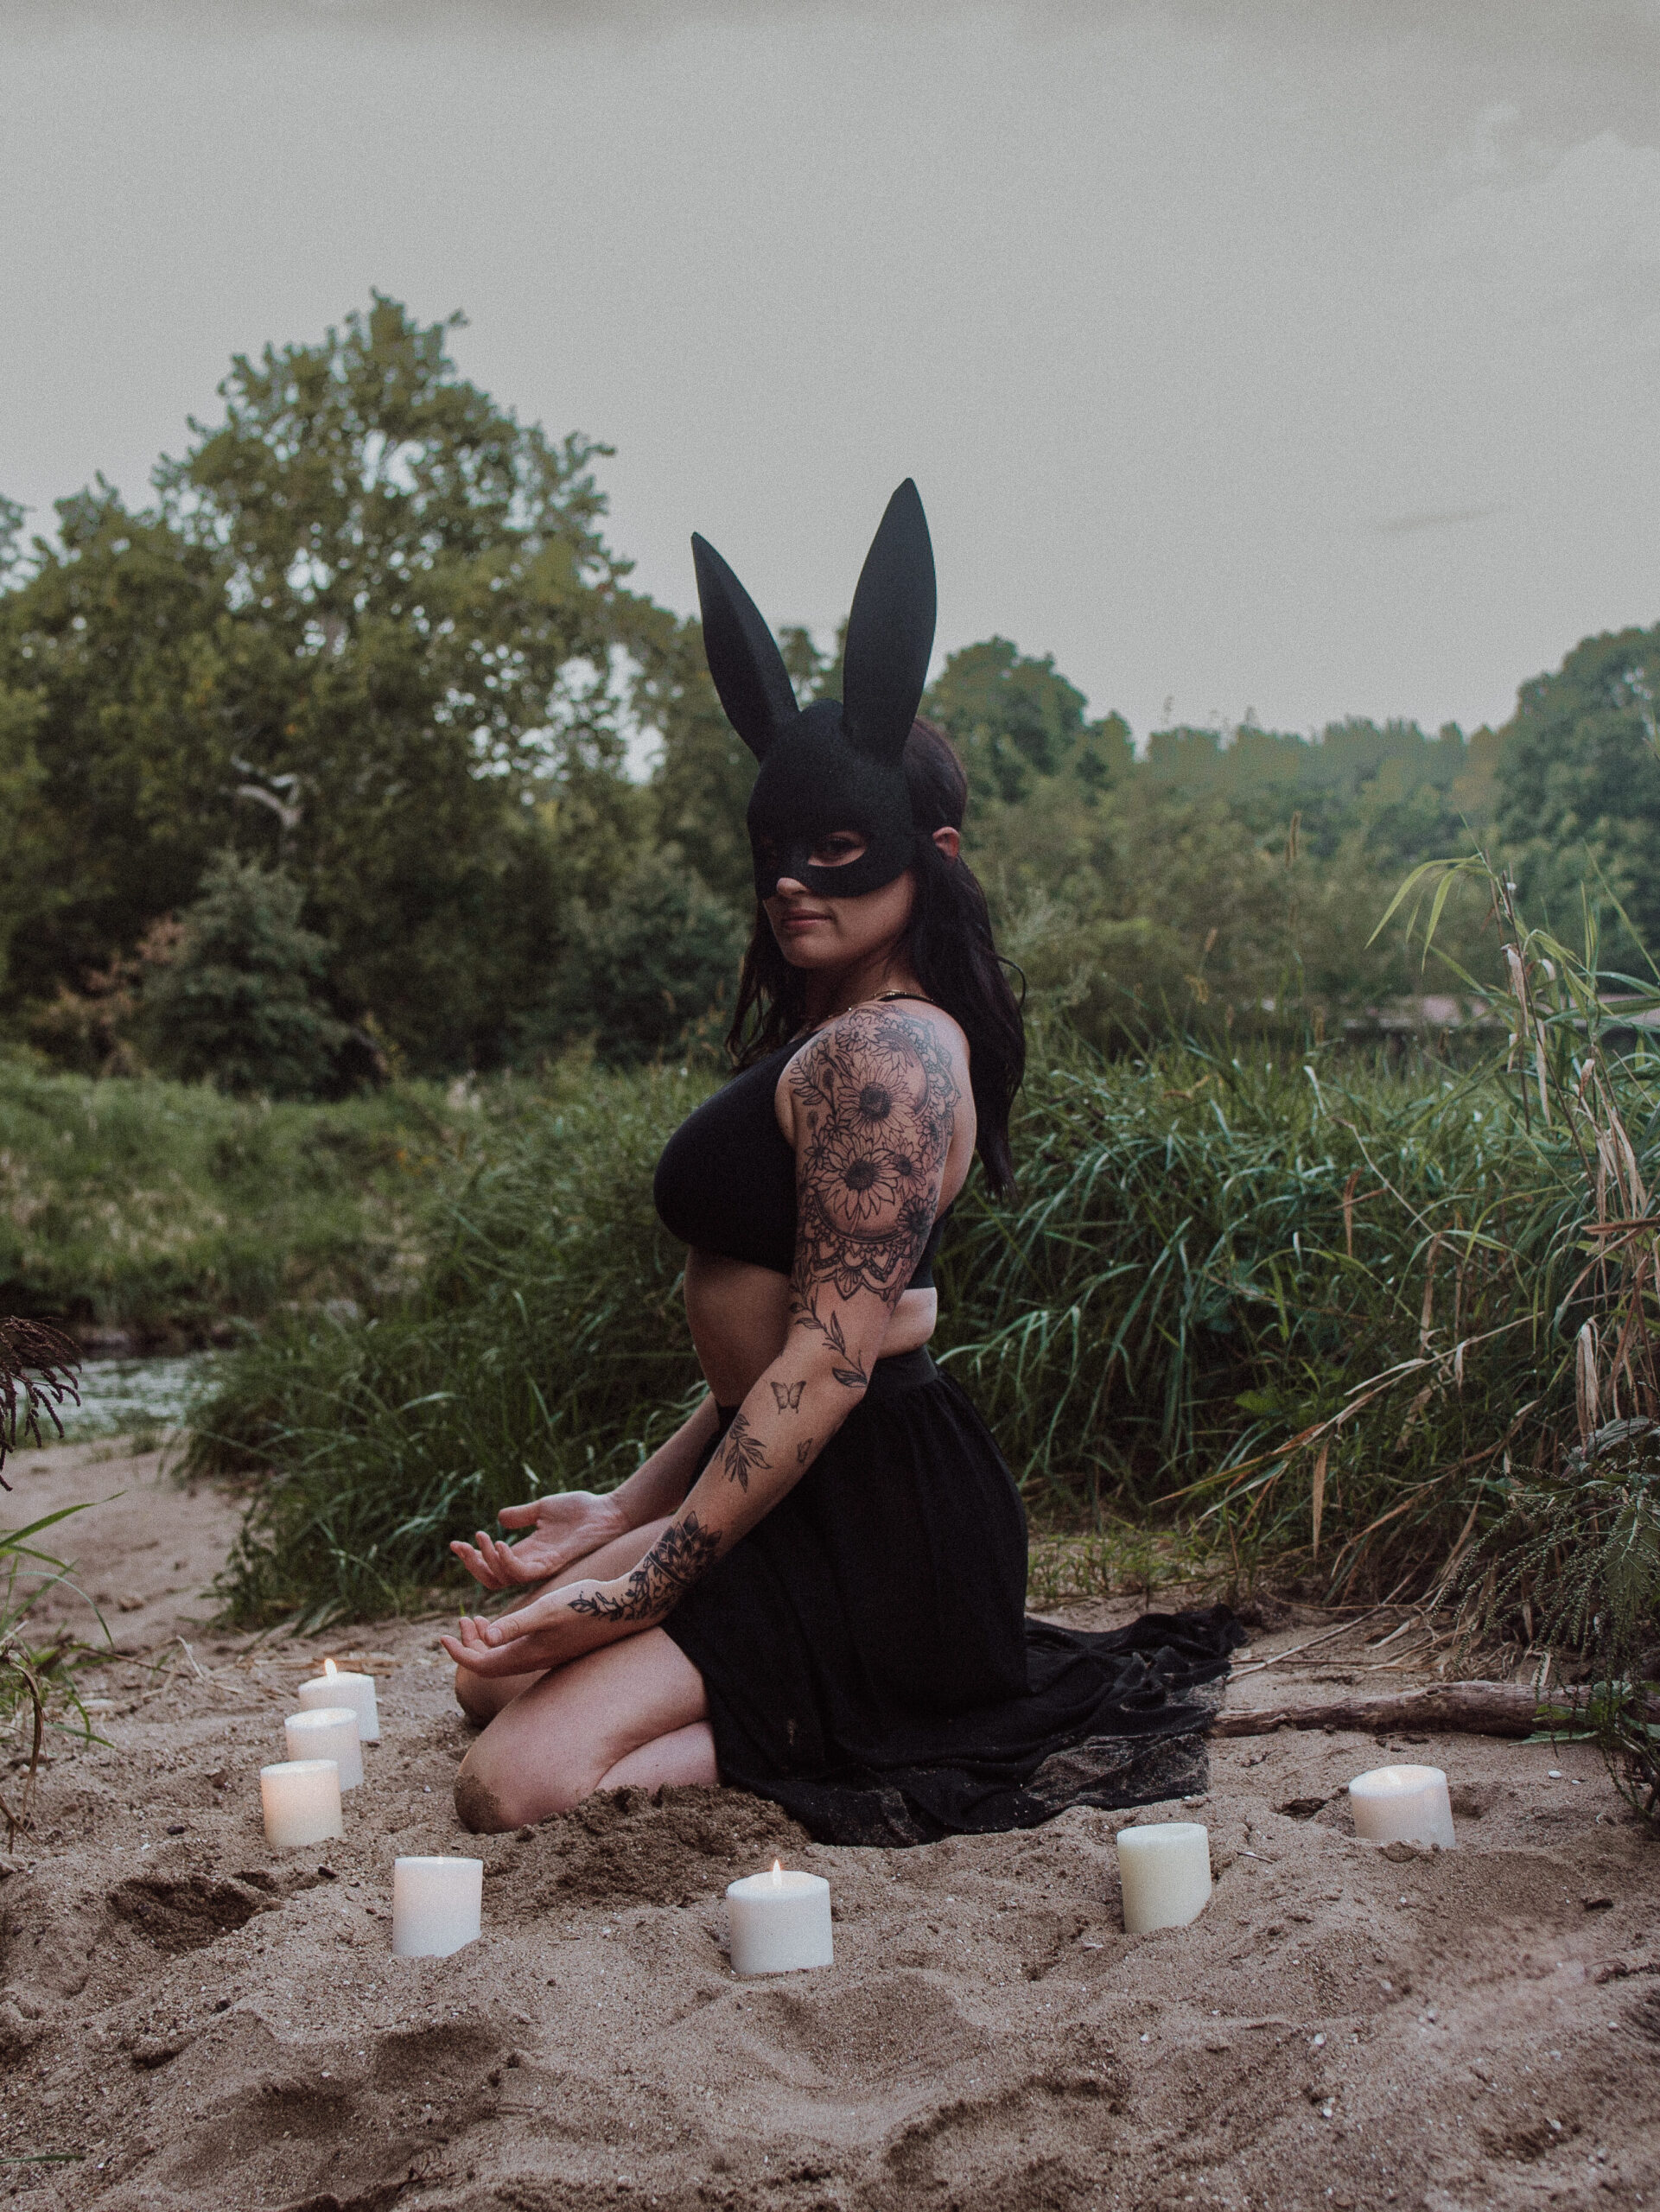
840, 847
836, 848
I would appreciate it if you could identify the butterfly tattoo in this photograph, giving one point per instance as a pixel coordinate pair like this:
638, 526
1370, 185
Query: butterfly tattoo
788, 1396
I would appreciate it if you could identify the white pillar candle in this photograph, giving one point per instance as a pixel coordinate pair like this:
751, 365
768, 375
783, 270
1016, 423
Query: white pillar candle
301, 1798
437, 1905
779, 1923
332, 1687
330, 1733
1403, 1805
1165, 1873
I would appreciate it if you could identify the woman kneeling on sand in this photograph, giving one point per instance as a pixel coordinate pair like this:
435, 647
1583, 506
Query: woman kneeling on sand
816, 1589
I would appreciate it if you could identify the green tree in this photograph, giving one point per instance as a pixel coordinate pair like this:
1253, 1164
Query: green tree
107, 675
370, 631
1578, 781
700, 785
660, 953
1014, 719
238, 997
422, 615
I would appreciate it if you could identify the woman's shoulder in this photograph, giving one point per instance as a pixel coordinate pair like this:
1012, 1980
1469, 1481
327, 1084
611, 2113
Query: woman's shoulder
880, 1056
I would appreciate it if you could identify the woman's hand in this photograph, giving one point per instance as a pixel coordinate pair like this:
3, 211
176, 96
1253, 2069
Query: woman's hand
547, 1632
563, 1528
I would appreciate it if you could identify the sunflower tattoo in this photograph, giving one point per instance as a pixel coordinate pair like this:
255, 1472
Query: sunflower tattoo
878, 1094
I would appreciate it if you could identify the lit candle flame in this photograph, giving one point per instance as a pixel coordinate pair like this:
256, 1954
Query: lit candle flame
777, 1875
328, 1666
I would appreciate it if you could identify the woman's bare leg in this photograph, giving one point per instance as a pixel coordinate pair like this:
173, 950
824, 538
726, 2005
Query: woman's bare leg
482, 1696
688, 1755
629, 1710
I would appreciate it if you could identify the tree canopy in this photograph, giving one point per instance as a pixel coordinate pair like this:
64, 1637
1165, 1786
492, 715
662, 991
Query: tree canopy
366, 630
1578, 781
367, 664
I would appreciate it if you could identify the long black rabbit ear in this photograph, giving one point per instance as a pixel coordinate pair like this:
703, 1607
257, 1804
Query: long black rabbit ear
743, 655
890, 630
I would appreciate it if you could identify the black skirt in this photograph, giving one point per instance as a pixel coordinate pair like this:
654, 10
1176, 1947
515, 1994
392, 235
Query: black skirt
870, 1665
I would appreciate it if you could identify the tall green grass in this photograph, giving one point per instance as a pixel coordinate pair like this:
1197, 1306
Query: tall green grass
544, 1346
165, 1208
1338, 1310
1207, 1249
1203, 1254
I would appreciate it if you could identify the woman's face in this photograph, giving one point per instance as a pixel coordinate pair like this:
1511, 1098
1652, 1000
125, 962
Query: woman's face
815, 932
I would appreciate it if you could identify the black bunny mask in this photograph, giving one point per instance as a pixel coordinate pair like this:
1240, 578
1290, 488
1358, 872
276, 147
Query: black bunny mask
836, 765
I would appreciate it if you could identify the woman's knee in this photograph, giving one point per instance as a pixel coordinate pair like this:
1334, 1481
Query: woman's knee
499, 1787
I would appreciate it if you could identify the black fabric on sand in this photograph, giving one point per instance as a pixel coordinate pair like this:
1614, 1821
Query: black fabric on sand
870, 1665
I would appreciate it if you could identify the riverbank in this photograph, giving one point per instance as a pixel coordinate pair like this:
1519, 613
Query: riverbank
190, 2022
152, 1216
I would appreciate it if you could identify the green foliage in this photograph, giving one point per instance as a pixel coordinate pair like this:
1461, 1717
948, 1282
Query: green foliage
544, 1344
107, 656
38, 1366
36, 1679
660, 954
169, 1208
1175, 1288
1579, 782
1585, 1537
1406, 795
701, 786
1206, 1250
368, 630
1155, 911
1014, 719
237, 1000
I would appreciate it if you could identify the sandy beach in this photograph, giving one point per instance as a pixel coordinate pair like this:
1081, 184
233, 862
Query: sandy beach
190, 2019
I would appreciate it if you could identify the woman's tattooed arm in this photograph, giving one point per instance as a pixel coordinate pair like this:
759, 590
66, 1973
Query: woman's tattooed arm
741, 1451
686, 1551
874, 1097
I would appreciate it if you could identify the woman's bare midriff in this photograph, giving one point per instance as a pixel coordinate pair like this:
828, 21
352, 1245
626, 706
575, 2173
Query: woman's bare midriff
740, 1316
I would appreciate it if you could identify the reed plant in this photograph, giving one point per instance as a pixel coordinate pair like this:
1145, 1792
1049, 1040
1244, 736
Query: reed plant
38, 1366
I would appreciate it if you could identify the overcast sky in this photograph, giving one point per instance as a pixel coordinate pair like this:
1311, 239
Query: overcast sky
1286, 355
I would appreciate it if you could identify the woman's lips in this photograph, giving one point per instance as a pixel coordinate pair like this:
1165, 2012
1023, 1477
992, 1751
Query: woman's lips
802, 921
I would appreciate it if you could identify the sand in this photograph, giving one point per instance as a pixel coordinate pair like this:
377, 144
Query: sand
188, 2018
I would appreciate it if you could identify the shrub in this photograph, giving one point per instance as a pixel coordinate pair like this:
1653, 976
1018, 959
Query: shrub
236, 1000
639, 971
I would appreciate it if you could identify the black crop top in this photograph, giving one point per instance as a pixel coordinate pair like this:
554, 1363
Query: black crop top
726, 1180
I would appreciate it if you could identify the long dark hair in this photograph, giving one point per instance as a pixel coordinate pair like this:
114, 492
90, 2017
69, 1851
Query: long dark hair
950, 943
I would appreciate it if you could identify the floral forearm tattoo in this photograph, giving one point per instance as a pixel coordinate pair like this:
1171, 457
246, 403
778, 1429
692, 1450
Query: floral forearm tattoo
740, 1452
681, 1554
877, 1095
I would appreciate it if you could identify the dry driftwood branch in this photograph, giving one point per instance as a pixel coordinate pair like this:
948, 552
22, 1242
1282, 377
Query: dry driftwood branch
1470, 1708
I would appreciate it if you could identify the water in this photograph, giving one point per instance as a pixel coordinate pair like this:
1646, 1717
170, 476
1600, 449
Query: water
120, 1396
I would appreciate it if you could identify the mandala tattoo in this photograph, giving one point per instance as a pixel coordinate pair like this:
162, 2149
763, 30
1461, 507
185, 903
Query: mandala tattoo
684, 1551
740, 1452
877, 1096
